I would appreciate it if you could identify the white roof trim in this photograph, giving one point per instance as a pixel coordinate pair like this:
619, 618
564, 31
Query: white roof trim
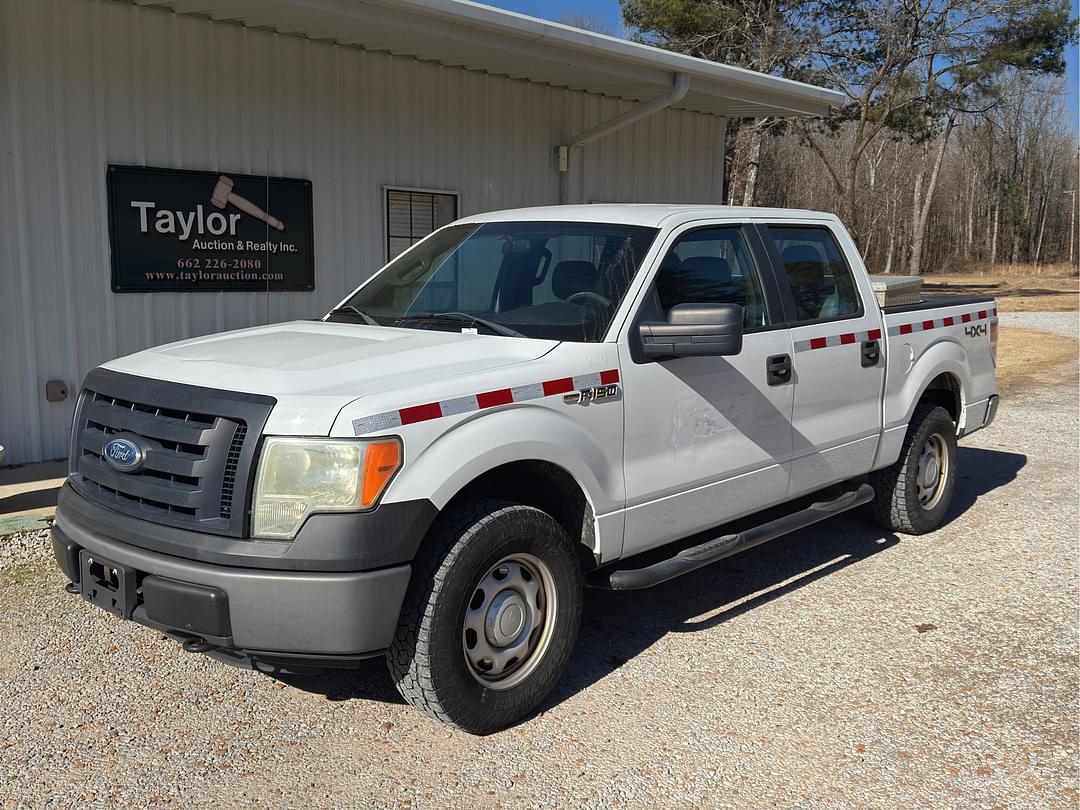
475, 36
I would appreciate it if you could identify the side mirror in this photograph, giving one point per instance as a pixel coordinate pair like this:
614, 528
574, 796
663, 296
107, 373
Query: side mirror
695, 330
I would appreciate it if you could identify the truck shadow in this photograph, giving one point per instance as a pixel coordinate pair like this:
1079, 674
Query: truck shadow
618, 626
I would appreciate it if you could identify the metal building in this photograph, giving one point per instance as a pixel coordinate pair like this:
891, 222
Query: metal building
401, 114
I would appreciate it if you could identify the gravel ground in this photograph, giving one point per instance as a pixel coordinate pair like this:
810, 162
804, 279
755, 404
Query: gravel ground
839, 667
1060, 323
23, 547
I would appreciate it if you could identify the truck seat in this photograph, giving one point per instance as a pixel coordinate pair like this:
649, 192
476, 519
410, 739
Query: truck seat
810, 286
573, 276
700, 280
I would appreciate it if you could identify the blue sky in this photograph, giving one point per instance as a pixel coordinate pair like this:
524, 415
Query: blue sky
609, 10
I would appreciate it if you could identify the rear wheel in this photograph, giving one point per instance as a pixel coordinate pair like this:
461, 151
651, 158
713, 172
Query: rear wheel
913, 495
490, 618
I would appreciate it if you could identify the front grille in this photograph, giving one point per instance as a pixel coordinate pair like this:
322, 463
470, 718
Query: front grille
198, 450
232, 461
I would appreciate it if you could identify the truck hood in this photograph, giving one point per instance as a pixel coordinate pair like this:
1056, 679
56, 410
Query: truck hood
314, 369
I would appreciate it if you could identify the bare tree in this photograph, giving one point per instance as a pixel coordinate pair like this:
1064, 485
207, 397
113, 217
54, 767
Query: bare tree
1025, 148
756, 34
910, 68
587, 22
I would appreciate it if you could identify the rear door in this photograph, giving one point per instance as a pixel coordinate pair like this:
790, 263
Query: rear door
838, 352
707, 438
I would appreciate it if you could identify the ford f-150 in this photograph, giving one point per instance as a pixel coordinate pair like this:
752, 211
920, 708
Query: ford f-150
522, 403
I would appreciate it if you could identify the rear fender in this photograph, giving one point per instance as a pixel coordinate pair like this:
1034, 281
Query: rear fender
945, 357
905, 387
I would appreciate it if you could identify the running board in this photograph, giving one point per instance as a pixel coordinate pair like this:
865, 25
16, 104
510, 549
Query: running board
691, 559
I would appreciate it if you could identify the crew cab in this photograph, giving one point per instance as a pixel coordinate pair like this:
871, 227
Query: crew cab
522, 403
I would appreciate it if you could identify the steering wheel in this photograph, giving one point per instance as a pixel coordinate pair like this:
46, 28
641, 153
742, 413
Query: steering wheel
590, 295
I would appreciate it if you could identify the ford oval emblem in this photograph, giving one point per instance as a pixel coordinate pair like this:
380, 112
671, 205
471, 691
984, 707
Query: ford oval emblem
123, 454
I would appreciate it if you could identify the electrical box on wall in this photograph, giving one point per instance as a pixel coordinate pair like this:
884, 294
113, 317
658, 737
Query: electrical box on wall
56, 391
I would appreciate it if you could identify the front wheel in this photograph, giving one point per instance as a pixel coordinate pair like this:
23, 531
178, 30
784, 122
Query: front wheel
490, 617
913, 495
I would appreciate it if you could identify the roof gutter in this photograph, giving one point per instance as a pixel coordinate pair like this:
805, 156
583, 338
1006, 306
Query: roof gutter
673, 96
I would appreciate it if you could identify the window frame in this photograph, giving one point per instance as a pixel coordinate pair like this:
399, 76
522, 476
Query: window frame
761, 261
385, 191
784, 281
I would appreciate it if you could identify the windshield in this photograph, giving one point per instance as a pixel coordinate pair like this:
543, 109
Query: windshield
554, 280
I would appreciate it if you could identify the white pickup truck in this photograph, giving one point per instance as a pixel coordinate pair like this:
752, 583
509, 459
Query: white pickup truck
522, 403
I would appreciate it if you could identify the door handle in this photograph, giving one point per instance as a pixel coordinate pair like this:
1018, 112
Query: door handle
778, 369
871, 353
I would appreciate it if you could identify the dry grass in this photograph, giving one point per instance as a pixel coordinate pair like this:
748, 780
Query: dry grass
1028, 357
1059, 270
1017, 292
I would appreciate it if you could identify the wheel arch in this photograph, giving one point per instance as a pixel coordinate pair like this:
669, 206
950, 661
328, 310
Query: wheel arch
938, 375
945, 390
528, 455
545, 486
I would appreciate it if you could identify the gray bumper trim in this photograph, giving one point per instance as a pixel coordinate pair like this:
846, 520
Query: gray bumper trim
991, 410
282, 611
343, 541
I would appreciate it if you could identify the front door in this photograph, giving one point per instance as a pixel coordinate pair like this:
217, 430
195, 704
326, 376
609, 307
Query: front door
707, 438
839, 354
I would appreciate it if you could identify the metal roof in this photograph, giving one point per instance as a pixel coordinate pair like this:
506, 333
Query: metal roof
652, 215
459, 33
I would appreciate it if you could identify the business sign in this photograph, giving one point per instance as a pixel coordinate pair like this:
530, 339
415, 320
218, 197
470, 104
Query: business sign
185, 231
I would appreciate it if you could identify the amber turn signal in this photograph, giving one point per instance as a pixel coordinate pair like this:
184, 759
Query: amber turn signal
381, 461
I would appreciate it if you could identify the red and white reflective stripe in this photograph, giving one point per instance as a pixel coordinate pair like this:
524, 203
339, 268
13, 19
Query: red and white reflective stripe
845, 338
478, 402
941, 323
842, 339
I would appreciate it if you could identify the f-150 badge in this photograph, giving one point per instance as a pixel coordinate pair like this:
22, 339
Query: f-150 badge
596, 394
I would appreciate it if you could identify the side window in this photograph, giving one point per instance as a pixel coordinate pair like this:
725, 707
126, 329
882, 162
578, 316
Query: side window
712, 266
821, 281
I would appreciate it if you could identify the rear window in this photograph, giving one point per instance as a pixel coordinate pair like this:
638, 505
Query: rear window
821, 283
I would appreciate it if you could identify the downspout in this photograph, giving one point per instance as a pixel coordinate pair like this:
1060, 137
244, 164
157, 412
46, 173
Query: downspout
672, 96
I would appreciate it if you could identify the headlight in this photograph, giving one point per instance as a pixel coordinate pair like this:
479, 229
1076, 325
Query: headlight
300, 476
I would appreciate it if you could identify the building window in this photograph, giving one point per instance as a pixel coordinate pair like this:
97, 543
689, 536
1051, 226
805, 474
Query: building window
411, 214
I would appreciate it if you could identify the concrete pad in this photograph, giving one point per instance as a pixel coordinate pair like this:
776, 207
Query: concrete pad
28, 495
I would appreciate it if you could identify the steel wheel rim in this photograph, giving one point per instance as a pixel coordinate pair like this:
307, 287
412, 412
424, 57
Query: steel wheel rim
932, 471
509, 621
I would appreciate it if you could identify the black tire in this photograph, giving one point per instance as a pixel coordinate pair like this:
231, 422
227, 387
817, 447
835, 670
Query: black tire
896, 503
427, 658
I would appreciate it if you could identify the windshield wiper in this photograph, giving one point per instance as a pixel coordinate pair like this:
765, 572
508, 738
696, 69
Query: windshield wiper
491, 326
349, 309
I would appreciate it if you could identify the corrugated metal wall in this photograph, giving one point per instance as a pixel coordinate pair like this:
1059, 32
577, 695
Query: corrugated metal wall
84, 83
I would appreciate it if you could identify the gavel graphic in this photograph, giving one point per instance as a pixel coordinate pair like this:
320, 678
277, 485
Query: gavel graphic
223, 195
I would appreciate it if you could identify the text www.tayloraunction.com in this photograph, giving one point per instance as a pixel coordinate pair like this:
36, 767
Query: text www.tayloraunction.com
197, 276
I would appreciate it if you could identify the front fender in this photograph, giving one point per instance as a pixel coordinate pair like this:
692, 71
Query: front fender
527, 432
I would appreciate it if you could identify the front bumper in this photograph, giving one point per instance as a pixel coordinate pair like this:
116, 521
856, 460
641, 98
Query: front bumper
252, 613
